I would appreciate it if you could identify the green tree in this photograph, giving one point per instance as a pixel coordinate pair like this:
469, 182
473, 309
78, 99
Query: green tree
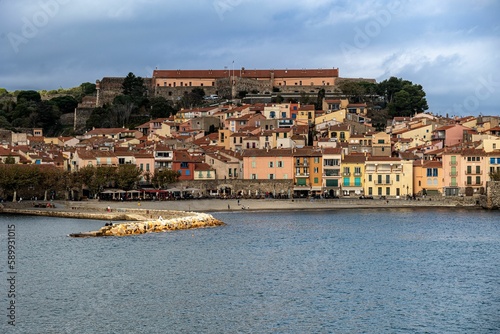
134, 86
121, 110
100, 118
160, 107
88, 88
127, 176
408, 101
66, 104
95, 179
495, 176
164, 177
353, 90
49, 179
319, 99
14, 178
29, 95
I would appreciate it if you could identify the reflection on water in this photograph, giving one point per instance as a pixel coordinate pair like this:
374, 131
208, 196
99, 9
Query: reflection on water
299, 272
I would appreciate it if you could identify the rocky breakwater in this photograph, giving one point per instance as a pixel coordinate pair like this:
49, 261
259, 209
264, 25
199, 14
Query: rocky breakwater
195, 220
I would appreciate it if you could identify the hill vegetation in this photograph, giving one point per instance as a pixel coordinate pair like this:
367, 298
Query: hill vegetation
43, 109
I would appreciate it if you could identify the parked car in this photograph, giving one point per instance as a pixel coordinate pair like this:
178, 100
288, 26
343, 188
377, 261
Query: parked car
365, 197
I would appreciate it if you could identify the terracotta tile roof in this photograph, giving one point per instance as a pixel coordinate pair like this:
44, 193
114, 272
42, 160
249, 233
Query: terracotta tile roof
332, 150
246, 73
267, 153
354, 158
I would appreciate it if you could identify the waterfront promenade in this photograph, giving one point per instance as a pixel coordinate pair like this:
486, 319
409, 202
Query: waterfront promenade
93, 209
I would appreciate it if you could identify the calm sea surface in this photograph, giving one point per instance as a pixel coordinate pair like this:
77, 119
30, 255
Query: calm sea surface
344, 271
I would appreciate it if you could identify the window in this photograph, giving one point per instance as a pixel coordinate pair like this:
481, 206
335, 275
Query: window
280, 164
316, 160
316, 180
478, 169
347, 181
478, 180
253, 164
188, 172
379, 179
469, 180
183, 165
347, 171
434, 172
147, 167
357, 181
357, 170
370, 178
387, 191
370, 191
387, 179
316, 169
379, 191
141, 167
332, 183
271, 176
254, 177
397, 178
429, 172
271, 164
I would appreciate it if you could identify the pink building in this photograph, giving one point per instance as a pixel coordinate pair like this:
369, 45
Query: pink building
269, 164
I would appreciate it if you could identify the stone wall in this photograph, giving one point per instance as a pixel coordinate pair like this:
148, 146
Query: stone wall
244, 186
109, 88
492, 198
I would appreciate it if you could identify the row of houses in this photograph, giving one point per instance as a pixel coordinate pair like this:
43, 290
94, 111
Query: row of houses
330, 152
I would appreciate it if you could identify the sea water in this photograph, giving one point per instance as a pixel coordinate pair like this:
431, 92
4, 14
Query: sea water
339, 271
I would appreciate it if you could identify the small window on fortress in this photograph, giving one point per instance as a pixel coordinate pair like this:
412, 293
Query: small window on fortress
201, 84
169, 93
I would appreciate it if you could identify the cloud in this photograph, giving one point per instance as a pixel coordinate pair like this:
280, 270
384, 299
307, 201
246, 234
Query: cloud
445, 46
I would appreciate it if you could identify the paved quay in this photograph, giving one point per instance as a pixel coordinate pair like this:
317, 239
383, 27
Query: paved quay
216, 205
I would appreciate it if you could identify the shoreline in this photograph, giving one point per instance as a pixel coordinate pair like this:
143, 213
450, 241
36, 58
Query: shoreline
144, 210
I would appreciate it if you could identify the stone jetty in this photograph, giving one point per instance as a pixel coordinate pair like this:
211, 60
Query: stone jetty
194, 220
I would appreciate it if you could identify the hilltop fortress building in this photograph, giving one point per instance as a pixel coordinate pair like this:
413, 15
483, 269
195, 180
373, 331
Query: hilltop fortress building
173, 84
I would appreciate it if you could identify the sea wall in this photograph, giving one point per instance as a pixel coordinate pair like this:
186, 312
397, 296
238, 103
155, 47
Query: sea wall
491, 200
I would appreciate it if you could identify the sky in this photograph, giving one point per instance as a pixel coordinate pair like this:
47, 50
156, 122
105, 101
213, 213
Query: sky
450, 47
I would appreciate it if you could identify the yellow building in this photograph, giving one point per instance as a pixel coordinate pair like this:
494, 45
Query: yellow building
388, 176
353, 169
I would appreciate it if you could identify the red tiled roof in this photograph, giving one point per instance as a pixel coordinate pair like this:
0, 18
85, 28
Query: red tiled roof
246, 73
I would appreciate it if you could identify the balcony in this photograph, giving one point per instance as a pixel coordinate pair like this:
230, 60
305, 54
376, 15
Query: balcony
472, 172
357, 174
382, 183
300, 175
346, 174
453, 174
473, 184
453, 163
